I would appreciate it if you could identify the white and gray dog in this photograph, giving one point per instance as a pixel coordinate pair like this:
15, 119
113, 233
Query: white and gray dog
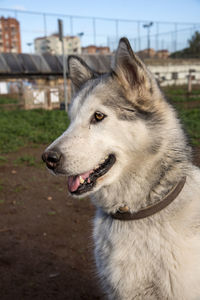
126, 149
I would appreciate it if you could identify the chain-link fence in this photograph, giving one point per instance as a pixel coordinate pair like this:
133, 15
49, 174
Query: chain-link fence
143, 34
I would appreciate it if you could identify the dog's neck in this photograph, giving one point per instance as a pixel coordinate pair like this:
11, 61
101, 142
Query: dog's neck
140, 188
124, 213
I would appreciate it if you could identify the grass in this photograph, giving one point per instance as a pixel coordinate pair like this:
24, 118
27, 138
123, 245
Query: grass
1, 185
190, 117
18, 188
51, 213
180, 94
181, 90
3, 160
20, 127
191, 120
8, 100
25, 159
183, 98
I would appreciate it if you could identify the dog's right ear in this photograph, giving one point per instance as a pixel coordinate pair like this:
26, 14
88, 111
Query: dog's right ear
78, 71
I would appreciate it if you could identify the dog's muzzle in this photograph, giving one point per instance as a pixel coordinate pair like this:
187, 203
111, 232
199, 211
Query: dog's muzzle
52, 158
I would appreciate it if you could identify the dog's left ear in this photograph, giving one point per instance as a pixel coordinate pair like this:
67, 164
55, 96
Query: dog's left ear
128, 67
78, 71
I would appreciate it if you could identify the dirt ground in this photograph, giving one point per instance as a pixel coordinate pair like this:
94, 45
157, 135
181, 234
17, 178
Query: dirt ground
45, 236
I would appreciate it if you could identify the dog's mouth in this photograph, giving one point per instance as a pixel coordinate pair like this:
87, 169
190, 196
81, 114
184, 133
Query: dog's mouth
82, 183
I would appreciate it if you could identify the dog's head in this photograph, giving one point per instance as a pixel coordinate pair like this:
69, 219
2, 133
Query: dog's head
111, 119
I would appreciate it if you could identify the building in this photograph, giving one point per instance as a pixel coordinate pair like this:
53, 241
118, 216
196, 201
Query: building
10, 40
51, 44
151, 53
95, 50
162, 54
147, 53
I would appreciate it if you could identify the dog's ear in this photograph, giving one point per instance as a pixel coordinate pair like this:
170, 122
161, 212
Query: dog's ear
128, 67
78, 71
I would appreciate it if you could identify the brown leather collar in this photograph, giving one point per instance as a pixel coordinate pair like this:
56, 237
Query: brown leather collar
124, 214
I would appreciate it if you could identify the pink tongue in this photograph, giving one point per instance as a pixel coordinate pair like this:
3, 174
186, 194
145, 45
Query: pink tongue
74, 181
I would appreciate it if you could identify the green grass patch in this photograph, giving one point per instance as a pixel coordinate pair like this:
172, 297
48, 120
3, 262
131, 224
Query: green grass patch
8, 100
181, 90
189, 116
1, 185
28, 160
191, 120
3, 160
20, 127
25, 159
182, 98
51, 213
19, 188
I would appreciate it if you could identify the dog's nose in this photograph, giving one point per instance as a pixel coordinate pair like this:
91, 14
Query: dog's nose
51, 158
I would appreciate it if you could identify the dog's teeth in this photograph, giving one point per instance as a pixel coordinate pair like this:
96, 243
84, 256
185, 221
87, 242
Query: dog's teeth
106, 157
81, 179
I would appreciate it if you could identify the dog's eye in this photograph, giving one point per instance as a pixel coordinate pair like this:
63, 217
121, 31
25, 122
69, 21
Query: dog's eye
97, 117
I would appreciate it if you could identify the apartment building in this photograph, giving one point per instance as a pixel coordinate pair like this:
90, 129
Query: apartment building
10, 40
52, 44
151, 53
92, 49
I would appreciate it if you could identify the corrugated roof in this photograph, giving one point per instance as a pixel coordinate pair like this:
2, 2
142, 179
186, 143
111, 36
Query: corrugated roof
41, 64
30, 64
53, 63
25, 64
13, 62
101, 63
4, 68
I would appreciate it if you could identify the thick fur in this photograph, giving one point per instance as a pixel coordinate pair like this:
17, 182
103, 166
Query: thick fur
153, 258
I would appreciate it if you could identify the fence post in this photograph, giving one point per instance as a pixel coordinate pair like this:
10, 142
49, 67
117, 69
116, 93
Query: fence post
60, 28
190, 77
189, 83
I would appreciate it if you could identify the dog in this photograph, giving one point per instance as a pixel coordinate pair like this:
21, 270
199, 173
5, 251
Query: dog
126, 149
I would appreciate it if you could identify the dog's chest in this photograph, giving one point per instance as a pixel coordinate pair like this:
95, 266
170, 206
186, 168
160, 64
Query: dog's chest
119, 245
132, 259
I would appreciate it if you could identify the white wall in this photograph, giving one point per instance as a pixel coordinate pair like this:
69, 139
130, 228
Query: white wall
182, 70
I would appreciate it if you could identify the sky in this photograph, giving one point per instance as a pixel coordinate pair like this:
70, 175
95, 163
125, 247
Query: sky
32, 26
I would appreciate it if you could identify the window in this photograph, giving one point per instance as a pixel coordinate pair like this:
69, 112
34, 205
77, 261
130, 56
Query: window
174, 75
